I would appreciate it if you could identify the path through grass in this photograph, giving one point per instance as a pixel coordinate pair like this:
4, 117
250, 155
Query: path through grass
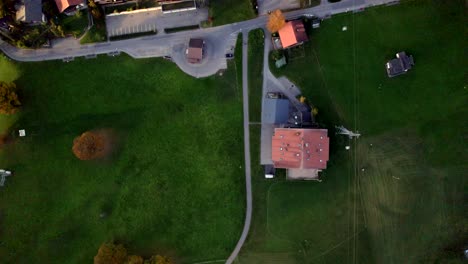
173, 186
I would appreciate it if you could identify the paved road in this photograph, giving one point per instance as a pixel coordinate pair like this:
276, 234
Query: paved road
248, 183
162, 45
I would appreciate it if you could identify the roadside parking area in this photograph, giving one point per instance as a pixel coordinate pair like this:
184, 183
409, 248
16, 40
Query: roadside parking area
145, 20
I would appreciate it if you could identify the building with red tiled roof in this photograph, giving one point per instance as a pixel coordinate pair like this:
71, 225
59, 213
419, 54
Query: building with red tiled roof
292, 33
63, 5
304, 152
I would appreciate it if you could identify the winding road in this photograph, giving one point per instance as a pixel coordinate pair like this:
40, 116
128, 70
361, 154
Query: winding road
248, 185
221, 39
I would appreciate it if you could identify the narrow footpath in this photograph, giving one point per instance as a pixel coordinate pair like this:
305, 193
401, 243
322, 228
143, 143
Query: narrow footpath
248, 183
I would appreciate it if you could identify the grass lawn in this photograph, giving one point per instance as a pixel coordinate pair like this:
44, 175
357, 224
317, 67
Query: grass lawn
230, 11
97, 33
76, 24
407, 206
174, 184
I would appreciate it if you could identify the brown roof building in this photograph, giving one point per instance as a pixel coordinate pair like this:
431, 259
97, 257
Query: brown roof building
304, 152
67, 5
195, 50
293, 33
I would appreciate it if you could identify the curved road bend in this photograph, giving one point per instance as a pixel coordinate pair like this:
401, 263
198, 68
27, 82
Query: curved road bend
248, 184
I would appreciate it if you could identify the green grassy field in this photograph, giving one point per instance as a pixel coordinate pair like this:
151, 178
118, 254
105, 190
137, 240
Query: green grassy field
407, 205
230, 11
174, 184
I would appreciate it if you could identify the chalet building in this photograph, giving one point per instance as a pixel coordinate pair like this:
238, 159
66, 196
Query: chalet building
400, 65
195, 50
302, 152
292, 34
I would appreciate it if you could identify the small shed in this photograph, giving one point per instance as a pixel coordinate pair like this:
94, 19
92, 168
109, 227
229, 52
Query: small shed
195, 50
293, 33
281, 62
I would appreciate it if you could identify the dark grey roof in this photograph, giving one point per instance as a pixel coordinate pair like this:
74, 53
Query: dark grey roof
31, 12
400, 65
196, 43
276, 111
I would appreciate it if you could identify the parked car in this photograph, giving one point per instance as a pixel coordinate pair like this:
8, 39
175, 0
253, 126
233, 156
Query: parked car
229, 55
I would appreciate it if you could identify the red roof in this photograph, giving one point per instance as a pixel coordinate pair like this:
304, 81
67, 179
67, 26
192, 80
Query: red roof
292, 33
300, 148
64, 4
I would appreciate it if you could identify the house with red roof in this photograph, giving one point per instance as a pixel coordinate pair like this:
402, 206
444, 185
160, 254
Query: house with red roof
304, 152
293, 33
68, 6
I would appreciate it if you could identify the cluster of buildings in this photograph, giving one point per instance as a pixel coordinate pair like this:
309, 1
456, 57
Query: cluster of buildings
291, 139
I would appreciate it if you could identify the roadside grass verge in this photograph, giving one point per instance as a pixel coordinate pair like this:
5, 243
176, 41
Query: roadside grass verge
173, 186
255, 60
75, 24
97, 33
398, 195
230, 11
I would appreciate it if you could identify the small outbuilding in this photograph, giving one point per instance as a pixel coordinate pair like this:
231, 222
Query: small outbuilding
400, 65
195, 50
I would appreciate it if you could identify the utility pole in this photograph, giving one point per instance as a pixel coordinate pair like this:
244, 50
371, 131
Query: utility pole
3, 175
344, 131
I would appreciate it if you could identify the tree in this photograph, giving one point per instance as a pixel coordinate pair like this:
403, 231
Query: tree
158, 260
90, 145
276, 21
9, 102
134, 259
95, 10
110, 253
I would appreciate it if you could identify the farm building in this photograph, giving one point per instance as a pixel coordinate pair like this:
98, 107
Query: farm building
303, 152
293, 33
